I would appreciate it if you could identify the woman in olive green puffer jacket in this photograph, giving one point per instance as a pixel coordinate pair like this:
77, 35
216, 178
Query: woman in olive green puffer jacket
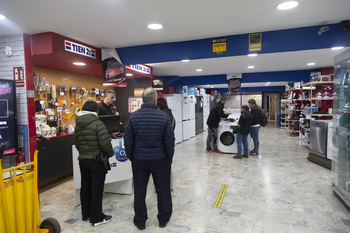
91, 138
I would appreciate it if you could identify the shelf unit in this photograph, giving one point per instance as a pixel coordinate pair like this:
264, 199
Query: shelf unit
322, 103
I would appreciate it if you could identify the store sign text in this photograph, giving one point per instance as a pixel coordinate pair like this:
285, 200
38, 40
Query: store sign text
140, 68
79, 49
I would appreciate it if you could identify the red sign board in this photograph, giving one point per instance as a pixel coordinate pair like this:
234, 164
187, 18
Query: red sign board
18, 76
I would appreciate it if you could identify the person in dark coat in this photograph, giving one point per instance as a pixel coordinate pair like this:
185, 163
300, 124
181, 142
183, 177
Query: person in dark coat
149, 144
215, 115
254, 131
91, 138
106, 107
163, 105
244, 124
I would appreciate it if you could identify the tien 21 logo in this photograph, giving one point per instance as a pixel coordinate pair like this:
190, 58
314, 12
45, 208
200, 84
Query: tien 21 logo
119, 152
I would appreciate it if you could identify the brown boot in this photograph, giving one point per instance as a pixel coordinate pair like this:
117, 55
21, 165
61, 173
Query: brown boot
237, 157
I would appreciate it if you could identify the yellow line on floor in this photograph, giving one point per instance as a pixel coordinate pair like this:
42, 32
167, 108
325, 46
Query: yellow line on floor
220, 196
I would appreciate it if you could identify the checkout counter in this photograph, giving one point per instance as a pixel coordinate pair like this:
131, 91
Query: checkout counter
119, 178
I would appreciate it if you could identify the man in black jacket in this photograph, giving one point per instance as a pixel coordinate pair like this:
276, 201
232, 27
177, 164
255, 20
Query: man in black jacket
106, 106
149, 144
216, 113
244, 124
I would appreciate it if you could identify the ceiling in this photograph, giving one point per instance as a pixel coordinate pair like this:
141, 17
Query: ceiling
121, 23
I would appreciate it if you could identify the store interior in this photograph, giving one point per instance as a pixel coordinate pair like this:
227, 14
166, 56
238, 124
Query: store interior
298, 73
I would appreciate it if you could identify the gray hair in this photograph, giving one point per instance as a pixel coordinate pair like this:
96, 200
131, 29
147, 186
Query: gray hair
223, 98
149, 95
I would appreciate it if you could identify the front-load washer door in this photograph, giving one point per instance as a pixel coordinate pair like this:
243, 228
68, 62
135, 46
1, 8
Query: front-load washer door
227, 138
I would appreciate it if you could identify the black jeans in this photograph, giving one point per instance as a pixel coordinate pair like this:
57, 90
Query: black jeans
92, 183
160, 170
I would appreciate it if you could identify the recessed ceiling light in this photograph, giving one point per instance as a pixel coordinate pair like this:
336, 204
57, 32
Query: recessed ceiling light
79, 63
199, 70
287, 5
128, 74
311, 63
2, 17
252, 54
250, 67
155, 26
337, 48
185, 60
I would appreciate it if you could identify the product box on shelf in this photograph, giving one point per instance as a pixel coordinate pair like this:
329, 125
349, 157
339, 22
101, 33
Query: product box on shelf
309, 110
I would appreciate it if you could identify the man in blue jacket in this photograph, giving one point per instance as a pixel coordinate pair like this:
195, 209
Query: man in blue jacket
149, 144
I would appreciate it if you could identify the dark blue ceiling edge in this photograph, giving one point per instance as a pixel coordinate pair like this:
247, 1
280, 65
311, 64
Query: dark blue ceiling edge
169, 81
277, 76
296, 39
250, 89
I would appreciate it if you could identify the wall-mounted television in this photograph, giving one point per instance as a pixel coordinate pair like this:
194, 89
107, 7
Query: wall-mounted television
8, 116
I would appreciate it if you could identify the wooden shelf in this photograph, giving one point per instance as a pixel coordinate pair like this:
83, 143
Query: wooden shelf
317, 83
294, 89
321, 115
307, 129
293, 120
304, 141
321, 99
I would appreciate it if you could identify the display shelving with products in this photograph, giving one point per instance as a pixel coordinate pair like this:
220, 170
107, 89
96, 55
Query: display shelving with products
297, 99
321, 99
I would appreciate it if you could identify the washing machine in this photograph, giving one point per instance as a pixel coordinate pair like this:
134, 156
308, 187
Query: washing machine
226, 140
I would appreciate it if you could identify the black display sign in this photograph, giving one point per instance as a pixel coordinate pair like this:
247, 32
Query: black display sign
8, 116
113, 71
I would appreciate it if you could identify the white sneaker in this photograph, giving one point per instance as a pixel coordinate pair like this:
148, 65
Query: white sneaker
107, 219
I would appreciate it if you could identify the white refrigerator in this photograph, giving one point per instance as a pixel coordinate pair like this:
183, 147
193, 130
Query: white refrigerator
175, 104
186, 126
192, 115
206, 110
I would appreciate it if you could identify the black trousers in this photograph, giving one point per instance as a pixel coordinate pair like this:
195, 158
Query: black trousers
92, 183
160, 170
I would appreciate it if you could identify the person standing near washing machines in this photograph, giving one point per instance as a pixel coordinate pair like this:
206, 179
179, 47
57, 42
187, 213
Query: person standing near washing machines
216, 113
254, 131
244, 124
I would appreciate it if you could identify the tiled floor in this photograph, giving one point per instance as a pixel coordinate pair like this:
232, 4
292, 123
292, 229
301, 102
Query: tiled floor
277, 191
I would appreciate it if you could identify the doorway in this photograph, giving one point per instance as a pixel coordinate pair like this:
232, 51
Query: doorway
272, 106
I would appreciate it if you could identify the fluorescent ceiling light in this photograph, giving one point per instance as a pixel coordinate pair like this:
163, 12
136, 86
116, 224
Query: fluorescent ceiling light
199, 70
250, 67
287, 5
337, 48
311, 64
155, 26
252, 55
208, 85
2, 17
267, 84
79, 63
185, 60
128, 74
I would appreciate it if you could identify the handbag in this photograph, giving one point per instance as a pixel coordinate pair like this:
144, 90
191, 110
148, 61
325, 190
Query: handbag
101, 159
234, 129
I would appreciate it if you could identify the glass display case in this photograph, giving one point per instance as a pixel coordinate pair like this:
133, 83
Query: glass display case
339, 140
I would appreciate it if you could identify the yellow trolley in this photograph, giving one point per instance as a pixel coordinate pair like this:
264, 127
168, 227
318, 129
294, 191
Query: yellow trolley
19, 209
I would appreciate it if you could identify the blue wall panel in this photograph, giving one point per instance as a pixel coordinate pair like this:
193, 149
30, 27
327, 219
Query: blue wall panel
272, 41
